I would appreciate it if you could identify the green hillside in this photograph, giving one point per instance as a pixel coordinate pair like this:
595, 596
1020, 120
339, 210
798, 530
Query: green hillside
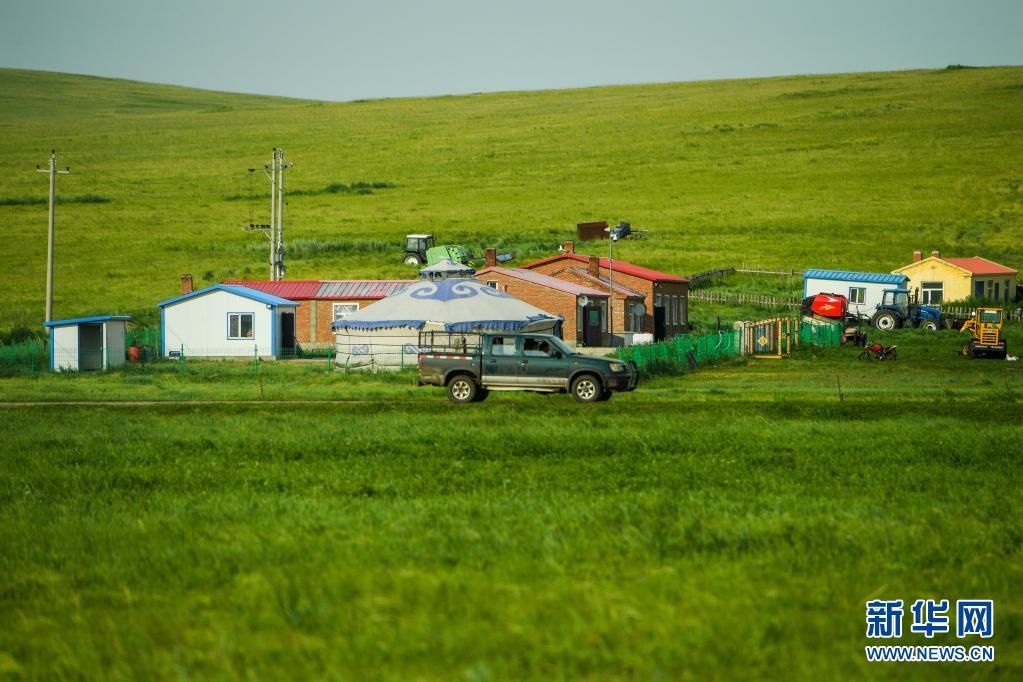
852, 170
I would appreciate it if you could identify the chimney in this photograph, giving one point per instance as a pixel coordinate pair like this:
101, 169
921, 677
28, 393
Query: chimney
594, 266
186, 284
489, 258
917, 256
568, 246
936, 254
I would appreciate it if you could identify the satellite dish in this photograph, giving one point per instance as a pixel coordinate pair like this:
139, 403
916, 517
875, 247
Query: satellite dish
583, 301
639, 309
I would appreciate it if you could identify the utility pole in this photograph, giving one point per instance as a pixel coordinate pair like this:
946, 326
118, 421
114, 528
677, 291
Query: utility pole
52, 170
274, 230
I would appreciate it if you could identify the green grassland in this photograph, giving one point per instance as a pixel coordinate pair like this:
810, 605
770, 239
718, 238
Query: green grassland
729, 523
279, 521
850, 170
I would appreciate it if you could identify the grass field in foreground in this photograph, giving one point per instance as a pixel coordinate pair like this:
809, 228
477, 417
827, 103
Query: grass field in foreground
729, 523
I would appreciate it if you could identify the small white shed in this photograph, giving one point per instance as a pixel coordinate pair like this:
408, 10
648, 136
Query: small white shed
87, 343
864, 290
227, 321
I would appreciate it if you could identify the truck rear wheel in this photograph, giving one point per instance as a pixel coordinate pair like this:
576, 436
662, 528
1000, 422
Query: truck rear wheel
587, 388
462, 389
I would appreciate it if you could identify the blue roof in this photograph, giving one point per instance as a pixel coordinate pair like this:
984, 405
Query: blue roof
847, 276
85, 320
245, 292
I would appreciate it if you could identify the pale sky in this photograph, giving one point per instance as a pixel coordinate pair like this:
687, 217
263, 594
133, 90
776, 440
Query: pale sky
344, 50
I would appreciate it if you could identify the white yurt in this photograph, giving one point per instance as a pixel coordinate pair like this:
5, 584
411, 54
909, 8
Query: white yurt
442, 313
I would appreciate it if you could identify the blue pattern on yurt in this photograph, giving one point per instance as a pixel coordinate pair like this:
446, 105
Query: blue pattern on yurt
451, 289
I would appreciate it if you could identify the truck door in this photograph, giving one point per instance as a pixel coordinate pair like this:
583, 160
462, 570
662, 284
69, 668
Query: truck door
501, 361
542, 364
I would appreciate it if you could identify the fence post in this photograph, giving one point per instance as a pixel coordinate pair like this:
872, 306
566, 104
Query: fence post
328, 359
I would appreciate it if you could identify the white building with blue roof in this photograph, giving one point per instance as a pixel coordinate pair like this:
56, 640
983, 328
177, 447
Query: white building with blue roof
87, 343
224, 321
863, 290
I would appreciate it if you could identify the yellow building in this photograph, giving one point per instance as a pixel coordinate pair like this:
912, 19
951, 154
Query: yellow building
944, 280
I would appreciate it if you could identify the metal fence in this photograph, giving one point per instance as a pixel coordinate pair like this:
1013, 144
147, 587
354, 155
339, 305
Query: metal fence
26, 357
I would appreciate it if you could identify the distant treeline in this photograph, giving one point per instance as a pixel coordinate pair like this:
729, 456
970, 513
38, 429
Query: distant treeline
35, 201
359, 187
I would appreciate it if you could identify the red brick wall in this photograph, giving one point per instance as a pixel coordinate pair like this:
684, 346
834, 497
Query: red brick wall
549, 300
324, 311
562, 269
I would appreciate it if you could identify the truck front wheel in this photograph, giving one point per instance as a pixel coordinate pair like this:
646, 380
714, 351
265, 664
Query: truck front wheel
587, 389
462, 389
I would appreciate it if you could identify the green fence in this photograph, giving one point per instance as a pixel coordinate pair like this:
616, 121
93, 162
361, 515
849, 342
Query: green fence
687, 351
26, 357
820, 334
682, 352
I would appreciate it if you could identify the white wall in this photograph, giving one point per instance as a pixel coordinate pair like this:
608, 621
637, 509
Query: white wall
65, 348
872, 296
200, 325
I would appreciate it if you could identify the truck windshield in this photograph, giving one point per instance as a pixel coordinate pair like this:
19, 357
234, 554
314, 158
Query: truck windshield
561, 345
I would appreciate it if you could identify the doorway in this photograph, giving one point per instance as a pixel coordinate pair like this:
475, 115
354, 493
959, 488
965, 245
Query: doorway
660, 332
90, 347
287, 334
592, 323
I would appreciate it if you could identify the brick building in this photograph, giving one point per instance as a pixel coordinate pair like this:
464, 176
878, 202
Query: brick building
323, 301
666, 297
583, 307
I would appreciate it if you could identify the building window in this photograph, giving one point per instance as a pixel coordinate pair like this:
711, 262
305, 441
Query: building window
344, 310
239, 325
675, 317
685, 313
637, 318
932, 293
858, 295
1006, 294
492, 283
997, 293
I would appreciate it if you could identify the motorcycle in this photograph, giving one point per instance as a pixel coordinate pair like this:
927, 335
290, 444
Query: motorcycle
877, 351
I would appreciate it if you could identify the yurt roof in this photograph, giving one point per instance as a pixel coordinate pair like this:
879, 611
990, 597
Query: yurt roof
459, 305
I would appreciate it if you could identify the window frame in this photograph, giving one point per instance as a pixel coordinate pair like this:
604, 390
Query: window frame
334, 310
252, 325
927, 290
862, 291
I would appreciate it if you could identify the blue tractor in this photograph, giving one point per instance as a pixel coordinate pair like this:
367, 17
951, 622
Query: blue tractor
896, 311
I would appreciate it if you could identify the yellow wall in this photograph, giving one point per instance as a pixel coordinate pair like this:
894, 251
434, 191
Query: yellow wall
956, 280
959, 283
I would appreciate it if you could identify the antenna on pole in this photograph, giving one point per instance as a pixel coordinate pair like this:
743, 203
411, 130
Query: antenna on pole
274, 230
52, 170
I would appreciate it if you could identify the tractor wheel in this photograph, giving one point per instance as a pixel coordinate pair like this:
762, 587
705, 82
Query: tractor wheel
886, 321
462, 389
413, 260
967, 351
587, 389
929, 325
1002, 351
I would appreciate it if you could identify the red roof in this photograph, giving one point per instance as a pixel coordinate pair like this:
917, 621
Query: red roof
980, 266
544, 281
329, 289
619, 266
603, 282
296, 289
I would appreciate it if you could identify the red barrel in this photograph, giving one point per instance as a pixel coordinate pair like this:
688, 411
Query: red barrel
135, 354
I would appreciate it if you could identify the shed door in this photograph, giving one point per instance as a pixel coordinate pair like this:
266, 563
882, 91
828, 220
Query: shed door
287, 333
978, 289
90, 347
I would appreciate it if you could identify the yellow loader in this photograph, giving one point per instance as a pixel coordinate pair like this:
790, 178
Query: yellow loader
986, 328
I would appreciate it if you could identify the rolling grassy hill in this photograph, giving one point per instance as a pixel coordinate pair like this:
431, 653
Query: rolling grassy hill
850, 170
